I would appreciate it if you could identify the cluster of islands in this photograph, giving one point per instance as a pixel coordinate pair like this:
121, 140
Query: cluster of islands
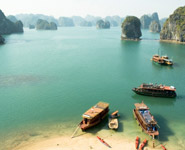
171, 29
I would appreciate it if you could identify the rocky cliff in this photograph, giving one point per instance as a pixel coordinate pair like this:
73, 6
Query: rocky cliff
8, 27
155, 26
131, 28
146, 20
2, 40
174, 27
12, 18
44, 25
100, 24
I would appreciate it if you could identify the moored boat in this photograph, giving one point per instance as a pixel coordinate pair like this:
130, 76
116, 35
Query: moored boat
113, 120
94, 115
155, 90
145, 119
163, 60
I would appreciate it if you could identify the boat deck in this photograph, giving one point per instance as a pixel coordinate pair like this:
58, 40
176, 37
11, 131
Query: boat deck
95, 110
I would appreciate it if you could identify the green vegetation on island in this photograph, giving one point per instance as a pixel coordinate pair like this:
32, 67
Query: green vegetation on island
45, 25
100, 24
8, 27
131, 28
155, 26
174, 27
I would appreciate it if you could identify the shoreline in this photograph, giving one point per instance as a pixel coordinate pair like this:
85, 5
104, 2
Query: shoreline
172, 41
82, 142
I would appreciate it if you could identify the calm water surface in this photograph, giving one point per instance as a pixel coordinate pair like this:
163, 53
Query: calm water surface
49, 78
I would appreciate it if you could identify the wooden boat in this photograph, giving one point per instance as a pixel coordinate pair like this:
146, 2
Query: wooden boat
94, 115
137, 142
143, 144
145, 119
105, 143
155, 90
163, 60
113, 120
113, 123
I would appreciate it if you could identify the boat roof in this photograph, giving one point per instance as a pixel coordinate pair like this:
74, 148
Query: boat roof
95, 110
160, 87
141, 106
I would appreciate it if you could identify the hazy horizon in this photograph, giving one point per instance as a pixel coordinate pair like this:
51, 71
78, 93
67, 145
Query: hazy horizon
83, 8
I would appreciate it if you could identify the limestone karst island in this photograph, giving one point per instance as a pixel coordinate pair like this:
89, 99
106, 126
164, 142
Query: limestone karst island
92, 75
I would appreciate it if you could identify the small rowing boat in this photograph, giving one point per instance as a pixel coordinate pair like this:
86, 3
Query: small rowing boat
113, 120
137, 142
143, 144
105, 143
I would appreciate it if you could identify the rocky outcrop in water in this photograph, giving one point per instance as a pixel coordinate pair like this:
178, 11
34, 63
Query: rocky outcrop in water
146, 20
131, 28
45, 25
155, 26
2, 40
8, 27
86, 24
174, 27
100, 24
28, 19
65, 22
31, 26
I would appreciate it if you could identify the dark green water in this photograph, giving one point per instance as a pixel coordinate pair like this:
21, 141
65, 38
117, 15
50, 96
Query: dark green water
49, 78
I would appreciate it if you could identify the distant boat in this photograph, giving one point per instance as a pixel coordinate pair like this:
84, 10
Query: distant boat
163, 60
94, 115
145, 119
113, 120
155, 90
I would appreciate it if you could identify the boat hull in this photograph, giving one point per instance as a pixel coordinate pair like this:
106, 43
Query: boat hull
157, 93
97, 121
153, 134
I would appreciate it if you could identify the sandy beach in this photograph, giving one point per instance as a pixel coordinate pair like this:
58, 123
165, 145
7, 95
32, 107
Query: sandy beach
82, 142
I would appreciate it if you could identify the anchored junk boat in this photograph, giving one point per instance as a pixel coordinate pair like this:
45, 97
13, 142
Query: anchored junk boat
163, 60
94, 115
155, 90
145, 119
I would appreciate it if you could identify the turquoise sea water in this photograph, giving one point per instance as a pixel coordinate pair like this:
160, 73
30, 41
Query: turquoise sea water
49, 78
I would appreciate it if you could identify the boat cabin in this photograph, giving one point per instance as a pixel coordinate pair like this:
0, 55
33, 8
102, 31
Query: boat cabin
94, 115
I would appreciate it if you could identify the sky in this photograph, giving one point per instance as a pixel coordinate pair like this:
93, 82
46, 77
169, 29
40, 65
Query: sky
82, 8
